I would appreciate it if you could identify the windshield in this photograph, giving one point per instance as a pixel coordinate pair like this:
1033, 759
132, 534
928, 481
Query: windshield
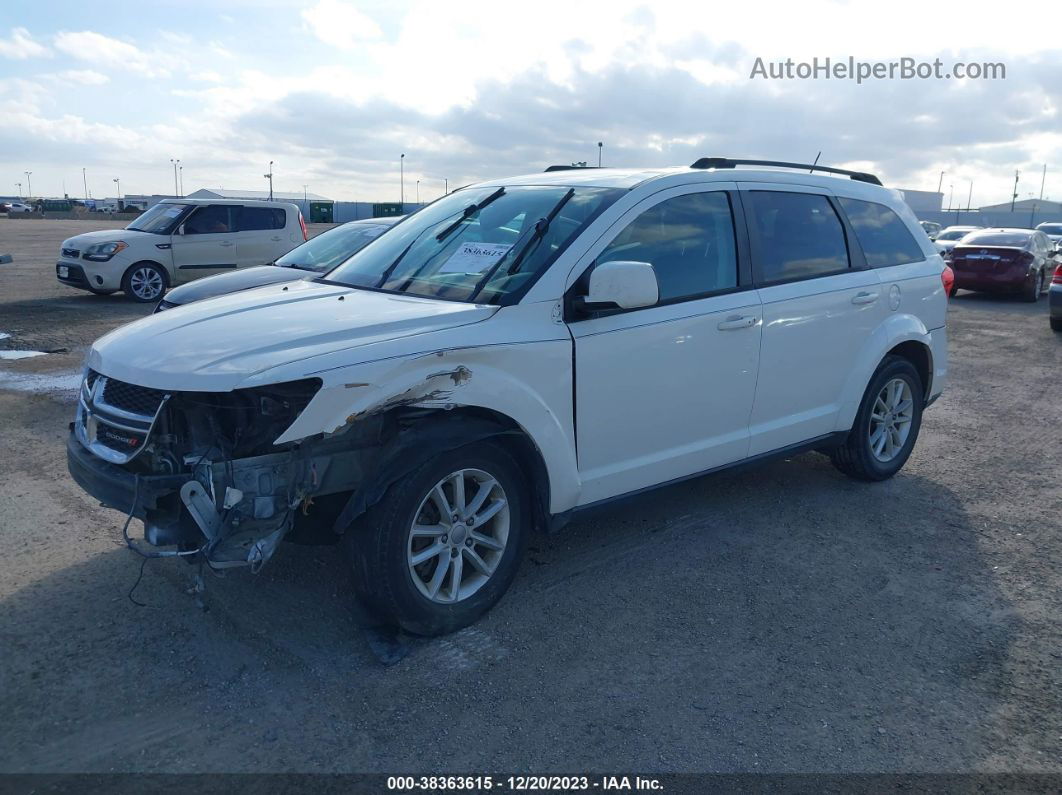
330, 248
954, 234
1016, 239
160, 219
476, 244
1050, 229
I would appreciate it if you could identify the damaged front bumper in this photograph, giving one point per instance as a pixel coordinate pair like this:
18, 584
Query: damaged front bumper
234, 512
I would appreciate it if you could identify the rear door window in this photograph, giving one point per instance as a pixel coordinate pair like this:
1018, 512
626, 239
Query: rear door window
795, 236
258, 218
884, 238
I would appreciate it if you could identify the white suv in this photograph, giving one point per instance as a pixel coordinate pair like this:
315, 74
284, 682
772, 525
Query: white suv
515, 352
176, 241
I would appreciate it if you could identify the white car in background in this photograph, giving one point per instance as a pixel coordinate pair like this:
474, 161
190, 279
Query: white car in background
514, 352
947, 238
1053, 229
18, 207
179, 240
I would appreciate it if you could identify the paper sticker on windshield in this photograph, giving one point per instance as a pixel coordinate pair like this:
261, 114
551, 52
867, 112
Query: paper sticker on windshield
474, 257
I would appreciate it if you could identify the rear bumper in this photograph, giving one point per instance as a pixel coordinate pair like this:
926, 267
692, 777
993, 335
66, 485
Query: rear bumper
938, 345
1054, 300
1010, 280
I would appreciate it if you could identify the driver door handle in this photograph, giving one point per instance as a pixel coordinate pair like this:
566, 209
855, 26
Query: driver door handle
225, 243
737, 321
864, 298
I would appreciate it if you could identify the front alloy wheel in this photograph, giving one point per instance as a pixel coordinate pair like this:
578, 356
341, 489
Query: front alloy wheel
458, 536
144, 282
444, 542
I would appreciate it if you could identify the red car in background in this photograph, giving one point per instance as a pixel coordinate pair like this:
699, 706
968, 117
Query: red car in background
1004, 261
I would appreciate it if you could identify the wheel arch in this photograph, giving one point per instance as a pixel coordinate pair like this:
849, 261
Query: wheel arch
428, 432
901, 335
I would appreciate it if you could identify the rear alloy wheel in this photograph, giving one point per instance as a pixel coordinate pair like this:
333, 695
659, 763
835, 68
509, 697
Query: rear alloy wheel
444, 543
144, 282
886, 425
1034, 290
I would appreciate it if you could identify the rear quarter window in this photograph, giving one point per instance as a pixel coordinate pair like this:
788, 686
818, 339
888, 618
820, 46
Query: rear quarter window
883, 236
259, 218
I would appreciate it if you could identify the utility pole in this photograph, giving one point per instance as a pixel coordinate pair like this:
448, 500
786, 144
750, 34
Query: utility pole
418, 191
117, 182
600, 145
1014, 196
84, 182
1043, 179
969, 197
940, 182
29, 185
269, 176
176, 189
181, 169
402, 180
446, 186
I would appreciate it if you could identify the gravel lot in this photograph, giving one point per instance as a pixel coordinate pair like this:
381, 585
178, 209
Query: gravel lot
780, 619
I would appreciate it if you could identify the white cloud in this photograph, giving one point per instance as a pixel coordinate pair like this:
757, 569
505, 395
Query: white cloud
87, 45
84, 77
22, 45
340, 24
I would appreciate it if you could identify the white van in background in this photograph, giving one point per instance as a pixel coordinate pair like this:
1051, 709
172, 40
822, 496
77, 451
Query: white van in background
179, 240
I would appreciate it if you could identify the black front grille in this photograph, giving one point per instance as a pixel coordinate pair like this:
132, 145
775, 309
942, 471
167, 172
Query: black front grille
129, 397
73, 253
90, 379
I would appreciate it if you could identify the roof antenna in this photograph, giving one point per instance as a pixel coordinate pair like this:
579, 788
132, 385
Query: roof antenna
812, 169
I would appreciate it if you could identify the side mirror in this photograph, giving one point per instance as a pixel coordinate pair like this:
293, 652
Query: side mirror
621, 284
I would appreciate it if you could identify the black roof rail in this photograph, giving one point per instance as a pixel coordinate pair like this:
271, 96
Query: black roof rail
565, 168
727, 162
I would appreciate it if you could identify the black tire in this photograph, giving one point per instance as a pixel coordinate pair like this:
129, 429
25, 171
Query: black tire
952, 292
94, 291
855, 456
129, 287
1056, 324
378, 544
1031, 293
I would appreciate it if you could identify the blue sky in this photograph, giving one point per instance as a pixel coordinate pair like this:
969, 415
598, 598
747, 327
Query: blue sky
334, 91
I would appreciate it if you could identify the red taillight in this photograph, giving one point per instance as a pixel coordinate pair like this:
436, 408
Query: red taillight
1057, 278
947, 278
302, 223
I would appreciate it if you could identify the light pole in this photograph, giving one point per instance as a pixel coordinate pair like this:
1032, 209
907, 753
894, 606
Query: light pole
304, 187
117, 182
269, 176
951, 192
176, 189
600, 145
84, 182
446, 186
940, 182
402, 180
19, 189
418, 191
1014, 196
29, 185
181, 169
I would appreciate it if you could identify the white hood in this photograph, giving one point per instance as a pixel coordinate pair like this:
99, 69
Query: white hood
214, 345
106, 236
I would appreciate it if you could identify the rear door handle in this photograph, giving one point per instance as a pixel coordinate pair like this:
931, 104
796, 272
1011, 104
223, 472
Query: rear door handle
225, 243
737, 321
276, 238
864, 298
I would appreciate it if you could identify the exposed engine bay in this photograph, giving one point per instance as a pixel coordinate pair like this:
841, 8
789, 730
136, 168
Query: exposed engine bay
206, 475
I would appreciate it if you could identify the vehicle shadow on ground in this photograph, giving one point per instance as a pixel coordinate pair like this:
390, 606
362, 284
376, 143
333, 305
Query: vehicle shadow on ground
1006, 303
784, 616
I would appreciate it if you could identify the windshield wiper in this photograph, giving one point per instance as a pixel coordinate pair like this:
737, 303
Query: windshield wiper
468, 212
537, 232
472, 209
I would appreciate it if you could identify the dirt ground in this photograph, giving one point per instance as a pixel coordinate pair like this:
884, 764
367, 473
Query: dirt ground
783, 618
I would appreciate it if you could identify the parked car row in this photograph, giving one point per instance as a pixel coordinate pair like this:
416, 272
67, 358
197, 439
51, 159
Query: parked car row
424, 401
